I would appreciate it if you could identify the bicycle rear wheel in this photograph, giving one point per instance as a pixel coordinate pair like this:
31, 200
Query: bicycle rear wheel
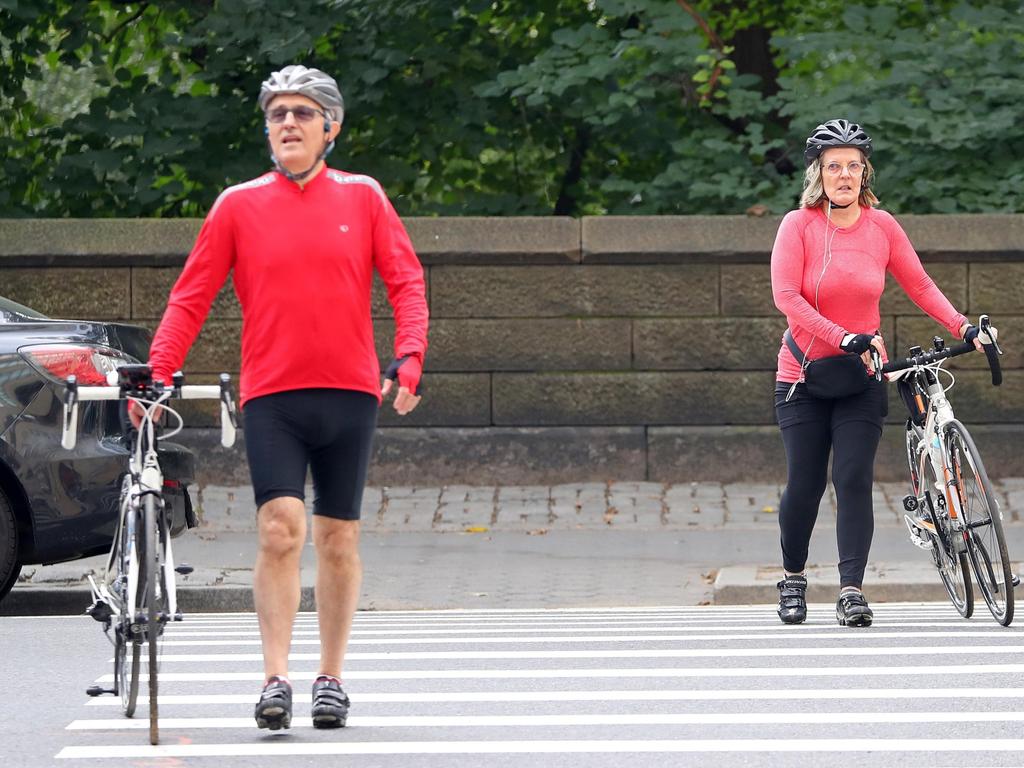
152, 613
986, 543
951, 564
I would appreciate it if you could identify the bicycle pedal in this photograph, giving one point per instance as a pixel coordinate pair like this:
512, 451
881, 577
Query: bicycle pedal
95, 690
184, 569
1015, 579
910, 503
100, 611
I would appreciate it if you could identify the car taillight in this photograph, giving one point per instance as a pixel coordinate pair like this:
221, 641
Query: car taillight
90, 364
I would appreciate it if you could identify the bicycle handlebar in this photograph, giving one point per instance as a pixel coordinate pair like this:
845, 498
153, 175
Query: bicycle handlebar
73, 394
991, 350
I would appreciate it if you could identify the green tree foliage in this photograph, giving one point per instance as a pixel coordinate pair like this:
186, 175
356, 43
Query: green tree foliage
514, 106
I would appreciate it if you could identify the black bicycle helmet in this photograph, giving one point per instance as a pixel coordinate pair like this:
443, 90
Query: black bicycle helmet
836, 133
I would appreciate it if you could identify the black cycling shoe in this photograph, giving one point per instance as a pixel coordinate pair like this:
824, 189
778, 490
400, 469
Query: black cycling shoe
330, 704
792, 599
852, 610
274, 709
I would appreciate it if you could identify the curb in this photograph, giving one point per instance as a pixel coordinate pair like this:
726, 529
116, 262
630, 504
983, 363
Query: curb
883, 583
734, 585
72, 600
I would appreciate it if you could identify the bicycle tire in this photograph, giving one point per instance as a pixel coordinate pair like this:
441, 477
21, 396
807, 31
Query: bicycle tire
985, 538
152, 613
126, 672
126, 666
953, 569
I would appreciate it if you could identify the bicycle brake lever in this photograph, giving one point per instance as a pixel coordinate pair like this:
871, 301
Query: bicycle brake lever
876, 363
985, 327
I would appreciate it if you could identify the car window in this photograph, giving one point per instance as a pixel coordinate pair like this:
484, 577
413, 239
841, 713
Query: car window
13, 312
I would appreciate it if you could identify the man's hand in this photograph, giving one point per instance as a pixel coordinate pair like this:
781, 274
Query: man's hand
137, 410
407, 370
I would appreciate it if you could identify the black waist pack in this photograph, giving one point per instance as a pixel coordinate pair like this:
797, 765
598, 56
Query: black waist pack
831, 377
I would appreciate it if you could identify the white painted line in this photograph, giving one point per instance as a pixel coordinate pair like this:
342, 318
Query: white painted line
946, 618
747, 694
538, 721
281, 748
583, 639
922, 651
550, 628
696, 612
915, 670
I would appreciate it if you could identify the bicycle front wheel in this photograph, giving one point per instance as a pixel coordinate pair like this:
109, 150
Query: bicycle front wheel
152, 612
951, 564
986, 543
126, 669
129, 576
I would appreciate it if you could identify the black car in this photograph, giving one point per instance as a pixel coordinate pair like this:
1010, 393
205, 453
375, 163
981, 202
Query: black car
55, 504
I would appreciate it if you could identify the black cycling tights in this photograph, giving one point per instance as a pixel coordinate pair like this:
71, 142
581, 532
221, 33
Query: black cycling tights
850, 430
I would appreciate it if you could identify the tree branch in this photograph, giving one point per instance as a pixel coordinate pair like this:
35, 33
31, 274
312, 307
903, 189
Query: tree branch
134, 17
713, 38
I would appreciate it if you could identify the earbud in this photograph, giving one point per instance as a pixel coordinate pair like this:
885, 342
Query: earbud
327, 126
266, 130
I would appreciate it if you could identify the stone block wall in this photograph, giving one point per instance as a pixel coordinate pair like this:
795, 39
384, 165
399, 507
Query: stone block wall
562, 350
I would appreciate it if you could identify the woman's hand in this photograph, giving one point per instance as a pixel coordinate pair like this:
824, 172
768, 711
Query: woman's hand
969, 332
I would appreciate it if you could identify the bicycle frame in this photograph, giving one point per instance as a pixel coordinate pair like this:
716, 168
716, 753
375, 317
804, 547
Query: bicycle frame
931, 448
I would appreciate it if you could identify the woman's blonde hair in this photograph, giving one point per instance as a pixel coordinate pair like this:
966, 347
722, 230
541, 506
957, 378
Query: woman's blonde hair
814, 191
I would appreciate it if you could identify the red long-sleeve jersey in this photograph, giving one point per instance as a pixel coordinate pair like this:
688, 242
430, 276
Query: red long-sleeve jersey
823, 302
302, 260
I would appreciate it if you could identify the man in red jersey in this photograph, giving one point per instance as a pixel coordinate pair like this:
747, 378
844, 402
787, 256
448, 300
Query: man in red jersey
302, 242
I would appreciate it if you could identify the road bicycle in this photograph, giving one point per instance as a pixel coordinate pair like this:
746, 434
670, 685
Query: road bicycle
136, 595
952, 511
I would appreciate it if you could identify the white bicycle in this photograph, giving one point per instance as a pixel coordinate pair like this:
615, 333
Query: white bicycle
952, 511
136, 595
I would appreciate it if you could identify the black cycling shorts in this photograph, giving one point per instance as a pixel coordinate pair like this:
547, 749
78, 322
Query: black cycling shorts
328, 430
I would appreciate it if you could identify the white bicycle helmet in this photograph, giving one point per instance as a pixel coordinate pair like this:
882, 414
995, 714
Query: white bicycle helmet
836, 133
311, 83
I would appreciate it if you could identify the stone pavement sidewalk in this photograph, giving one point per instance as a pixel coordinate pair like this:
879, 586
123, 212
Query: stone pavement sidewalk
576, 506
583, 544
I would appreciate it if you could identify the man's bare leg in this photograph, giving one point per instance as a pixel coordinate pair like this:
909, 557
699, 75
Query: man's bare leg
338, 579
276, 583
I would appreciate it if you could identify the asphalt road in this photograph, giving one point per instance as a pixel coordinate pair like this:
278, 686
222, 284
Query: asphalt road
724, 686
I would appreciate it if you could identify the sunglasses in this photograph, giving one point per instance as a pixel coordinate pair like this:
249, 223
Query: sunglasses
303, 114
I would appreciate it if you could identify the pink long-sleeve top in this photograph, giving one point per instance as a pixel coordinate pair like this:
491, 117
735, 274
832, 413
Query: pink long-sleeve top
823, 308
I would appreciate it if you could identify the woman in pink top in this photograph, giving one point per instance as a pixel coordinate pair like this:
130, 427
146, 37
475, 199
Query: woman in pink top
829, 264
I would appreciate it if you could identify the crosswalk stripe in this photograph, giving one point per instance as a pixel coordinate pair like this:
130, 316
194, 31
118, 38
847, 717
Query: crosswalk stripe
945, 671
746, 694
280, 748
775, 628
580, 639
637, 653
537, 721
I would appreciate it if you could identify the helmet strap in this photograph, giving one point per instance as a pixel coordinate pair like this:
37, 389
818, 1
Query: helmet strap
298, 176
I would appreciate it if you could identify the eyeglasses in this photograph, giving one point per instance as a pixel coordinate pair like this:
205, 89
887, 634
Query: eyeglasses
834, 169
303, 114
